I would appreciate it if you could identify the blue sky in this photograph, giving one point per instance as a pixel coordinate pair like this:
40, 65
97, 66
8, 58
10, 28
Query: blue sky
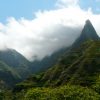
23, 8
94, 4
26, 8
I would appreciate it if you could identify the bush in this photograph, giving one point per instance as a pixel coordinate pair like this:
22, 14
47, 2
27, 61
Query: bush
61, 93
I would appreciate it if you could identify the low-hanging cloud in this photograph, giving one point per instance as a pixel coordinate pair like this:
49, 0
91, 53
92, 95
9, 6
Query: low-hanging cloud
48, 32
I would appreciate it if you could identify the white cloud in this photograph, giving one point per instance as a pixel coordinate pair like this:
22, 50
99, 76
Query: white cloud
66, 3
47, 32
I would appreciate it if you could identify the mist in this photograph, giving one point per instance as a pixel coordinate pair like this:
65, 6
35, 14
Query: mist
47, 32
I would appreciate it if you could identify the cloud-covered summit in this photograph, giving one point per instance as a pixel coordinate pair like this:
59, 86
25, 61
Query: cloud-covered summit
48, 32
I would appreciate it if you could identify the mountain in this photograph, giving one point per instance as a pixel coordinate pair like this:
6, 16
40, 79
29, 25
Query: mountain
47, 62
81, 64
22, 67
88, 33
12, 57
15, 61
78, 66
76, 76
8, 76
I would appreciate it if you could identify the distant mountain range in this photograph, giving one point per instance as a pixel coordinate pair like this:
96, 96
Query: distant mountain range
19, 68
75, 61
80, 64
78, 67
75, 69
14, 66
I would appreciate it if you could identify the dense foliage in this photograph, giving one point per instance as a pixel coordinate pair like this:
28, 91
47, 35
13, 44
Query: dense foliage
77, 78
67, 92
61, 93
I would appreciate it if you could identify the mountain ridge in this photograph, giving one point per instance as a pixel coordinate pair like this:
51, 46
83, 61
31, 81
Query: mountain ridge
72, 59
75, 76
88, 33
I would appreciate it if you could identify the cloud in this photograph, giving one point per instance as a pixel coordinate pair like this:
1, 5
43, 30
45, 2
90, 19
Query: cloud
66, 3
48, 32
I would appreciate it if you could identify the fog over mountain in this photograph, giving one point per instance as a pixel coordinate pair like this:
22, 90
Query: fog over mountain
48, 31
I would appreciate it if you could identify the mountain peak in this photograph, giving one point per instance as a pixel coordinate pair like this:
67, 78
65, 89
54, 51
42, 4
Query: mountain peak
88, 33
88, 21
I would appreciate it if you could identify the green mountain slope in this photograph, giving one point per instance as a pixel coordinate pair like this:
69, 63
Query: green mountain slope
88, 33
12, 58
8, 75
78, 66
76, 76
68, 92
16, 61
81, 66
47, 62
20, 66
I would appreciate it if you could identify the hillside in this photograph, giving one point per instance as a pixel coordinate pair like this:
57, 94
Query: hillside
47, 62
88, 33
8, 76
76, 76
81, 66
78, 65
15, 61
16, 64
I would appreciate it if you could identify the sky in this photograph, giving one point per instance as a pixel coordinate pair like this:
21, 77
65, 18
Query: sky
41, 27
26, 8
23, 8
